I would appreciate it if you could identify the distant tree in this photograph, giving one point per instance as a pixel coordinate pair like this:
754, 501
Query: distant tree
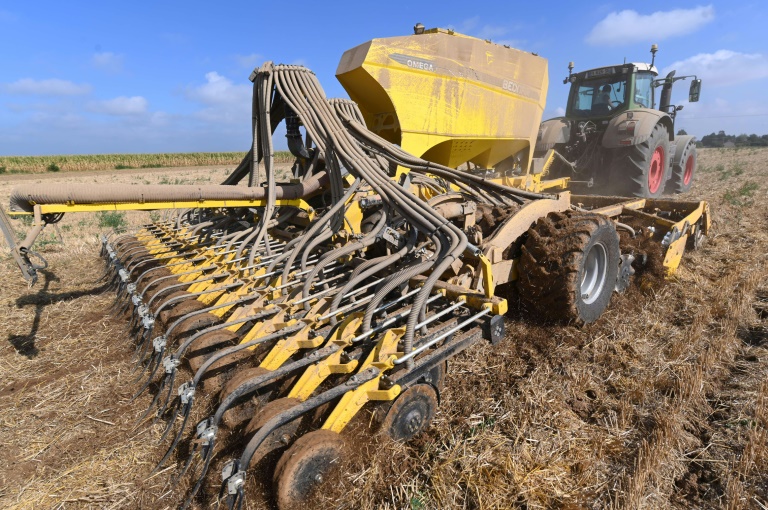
721, 139
682, 132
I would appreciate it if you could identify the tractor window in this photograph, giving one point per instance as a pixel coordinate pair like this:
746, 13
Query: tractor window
598, 97
644, 90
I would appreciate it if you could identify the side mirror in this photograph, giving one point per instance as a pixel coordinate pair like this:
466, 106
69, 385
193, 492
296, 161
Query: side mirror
693, 93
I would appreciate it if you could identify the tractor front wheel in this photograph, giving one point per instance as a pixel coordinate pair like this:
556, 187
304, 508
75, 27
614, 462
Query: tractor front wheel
683, 172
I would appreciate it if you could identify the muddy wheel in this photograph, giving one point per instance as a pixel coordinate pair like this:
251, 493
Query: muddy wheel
411, 412
156, 286
282, 435
568, 267
195, 323
304, 466
168, 296
641, 170
221, 371
181, 309
146, 284
684, 171
208, 343
245, 409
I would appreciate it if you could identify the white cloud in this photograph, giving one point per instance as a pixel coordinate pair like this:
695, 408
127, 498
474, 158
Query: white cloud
472, 26
119, 106
108, 61
50, 87
226, 103
723, 67
249, 61
219, 90
628, 27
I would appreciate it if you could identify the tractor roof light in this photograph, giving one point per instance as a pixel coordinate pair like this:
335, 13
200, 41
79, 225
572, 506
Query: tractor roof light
418, 29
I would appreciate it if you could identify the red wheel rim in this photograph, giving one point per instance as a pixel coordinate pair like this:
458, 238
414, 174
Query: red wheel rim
688, 175
656, 171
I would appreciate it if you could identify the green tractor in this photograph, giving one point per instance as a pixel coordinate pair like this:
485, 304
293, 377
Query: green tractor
613, 140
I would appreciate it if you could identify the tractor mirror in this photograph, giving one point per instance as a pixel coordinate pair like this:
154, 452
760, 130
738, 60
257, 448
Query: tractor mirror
693, 93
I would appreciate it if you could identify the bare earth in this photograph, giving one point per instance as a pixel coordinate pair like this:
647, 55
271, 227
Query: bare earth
662, 403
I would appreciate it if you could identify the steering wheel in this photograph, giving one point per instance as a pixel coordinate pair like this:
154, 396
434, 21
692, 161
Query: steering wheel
616, 102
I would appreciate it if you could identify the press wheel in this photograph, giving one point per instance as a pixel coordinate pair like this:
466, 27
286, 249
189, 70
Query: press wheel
305, 465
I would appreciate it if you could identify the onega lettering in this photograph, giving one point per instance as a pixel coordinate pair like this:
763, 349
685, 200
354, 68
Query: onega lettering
417, 64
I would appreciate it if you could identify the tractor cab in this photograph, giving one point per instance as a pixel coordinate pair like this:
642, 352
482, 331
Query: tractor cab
608, 91
617, 137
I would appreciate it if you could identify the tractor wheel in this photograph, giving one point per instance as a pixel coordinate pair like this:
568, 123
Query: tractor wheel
683, 172
304, 465
568, 267
640, 170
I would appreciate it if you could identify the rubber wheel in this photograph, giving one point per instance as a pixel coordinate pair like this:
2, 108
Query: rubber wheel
221, 371
684, 171
156, 286
147, 283
167, 296
279, 437
304, 466
411, 412
568, 267
640, 170
181, 309
194, 323
245, 408
207, 344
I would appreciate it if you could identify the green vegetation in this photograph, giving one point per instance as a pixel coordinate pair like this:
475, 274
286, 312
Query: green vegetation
2, 169
33, 164
742, 197
112, 219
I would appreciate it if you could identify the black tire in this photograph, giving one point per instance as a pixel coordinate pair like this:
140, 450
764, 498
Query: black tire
641, 170
411, 412
565, 255
684, 171
304, 465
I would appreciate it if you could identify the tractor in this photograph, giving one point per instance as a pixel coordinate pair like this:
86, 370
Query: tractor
613, 140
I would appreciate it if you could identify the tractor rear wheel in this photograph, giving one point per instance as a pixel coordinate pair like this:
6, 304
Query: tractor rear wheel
683, 172
641, 170
568, 267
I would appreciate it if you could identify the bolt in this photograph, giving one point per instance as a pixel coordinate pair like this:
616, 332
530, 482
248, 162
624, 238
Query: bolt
319, 478
285, 439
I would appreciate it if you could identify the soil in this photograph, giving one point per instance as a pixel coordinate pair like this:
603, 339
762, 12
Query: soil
661, 403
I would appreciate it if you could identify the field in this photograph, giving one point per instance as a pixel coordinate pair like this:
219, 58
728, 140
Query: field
40, 164
662, 403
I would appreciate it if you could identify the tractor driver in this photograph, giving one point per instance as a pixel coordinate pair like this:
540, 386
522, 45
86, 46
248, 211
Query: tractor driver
604, 98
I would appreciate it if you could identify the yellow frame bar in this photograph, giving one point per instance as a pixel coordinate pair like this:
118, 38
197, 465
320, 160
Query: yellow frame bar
152, 206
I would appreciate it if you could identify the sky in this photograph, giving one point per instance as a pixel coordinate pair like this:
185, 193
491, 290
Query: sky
138, 77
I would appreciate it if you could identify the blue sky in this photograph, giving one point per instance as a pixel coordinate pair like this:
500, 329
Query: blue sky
107, 77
